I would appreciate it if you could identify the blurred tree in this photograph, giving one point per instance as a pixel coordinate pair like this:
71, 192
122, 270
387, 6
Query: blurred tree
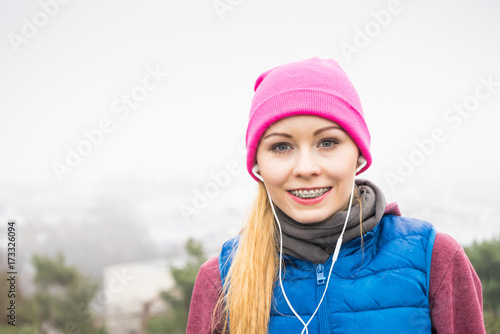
60, 302
23, 329
179, 297
63, 297
485, 258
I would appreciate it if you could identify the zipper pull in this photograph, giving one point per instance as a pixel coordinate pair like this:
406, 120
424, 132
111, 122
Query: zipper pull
320, 275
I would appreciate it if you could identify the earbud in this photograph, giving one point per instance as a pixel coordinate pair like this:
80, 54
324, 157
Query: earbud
255, 171
363, 163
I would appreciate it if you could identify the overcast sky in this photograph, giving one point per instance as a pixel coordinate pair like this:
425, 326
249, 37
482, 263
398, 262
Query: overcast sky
188, 69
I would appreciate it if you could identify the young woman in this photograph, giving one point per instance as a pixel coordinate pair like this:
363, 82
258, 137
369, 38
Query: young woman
322, 252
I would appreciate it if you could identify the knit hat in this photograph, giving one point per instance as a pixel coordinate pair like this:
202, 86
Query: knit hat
313, 86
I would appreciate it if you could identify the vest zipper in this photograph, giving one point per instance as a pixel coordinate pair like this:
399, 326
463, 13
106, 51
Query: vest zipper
320, 274
322, 312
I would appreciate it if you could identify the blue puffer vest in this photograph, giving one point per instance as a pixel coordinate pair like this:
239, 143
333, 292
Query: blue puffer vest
382, 289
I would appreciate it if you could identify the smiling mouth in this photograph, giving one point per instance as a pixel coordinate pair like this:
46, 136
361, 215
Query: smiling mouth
308, 194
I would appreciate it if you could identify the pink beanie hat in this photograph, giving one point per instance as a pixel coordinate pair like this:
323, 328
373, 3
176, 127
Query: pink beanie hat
313, 86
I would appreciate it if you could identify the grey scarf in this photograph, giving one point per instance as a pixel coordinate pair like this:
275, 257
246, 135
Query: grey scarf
316, 242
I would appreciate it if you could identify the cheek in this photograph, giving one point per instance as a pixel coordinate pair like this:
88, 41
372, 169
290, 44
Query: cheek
341, 171
274, 174
273, 169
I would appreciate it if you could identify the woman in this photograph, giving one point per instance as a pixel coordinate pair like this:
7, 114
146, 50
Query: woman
321, 252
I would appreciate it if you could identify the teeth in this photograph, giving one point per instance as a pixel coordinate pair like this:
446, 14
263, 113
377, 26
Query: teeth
310, 194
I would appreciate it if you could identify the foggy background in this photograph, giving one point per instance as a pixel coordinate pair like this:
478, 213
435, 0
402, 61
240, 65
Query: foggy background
172, 163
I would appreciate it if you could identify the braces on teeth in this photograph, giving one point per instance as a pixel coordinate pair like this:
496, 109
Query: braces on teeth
309, 193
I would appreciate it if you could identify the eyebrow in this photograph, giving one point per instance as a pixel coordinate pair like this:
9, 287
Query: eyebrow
317, 132
283, 134
278, 134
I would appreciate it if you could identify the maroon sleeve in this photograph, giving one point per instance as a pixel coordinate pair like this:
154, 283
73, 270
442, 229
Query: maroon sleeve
206, 292
455, 296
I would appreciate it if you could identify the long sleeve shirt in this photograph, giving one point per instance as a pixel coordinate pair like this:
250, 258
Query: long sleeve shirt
455, 296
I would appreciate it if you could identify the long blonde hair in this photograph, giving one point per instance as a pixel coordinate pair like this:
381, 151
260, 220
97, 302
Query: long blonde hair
248, 289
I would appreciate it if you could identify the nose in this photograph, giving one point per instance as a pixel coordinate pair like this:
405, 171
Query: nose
306, 165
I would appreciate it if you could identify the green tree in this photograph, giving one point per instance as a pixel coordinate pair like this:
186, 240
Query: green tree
485, 258
63, 296
179, 297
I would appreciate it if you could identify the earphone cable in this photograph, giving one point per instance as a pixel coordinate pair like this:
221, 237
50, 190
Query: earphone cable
334, 259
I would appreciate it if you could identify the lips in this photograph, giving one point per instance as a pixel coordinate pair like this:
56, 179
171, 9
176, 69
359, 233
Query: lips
308, 199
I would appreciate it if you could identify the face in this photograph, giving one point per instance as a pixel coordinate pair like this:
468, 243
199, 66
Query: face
308, 164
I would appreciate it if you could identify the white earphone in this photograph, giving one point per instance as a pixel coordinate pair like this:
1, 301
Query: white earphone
363, 163
255, 171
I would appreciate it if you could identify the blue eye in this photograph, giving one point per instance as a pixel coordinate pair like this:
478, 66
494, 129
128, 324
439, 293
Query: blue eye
280, 148
328, 143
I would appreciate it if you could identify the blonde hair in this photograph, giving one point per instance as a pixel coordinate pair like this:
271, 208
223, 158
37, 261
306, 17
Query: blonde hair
248, 289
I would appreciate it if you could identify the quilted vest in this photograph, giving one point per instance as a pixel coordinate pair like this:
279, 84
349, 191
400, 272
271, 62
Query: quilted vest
379, 287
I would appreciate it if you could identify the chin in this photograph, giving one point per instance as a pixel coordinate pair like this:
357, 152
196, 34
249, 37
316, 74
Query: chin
310, 217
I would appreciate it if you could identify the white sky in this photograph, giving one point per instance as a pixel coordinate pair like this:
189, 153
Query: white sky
66, 78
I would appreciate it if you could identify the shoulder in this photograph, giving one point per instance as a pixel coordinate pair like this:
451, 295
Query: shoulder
209, 273
455, 294
445, 247
392, 226
204, 299
211, 263
448, 259
447, 254
393, 219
